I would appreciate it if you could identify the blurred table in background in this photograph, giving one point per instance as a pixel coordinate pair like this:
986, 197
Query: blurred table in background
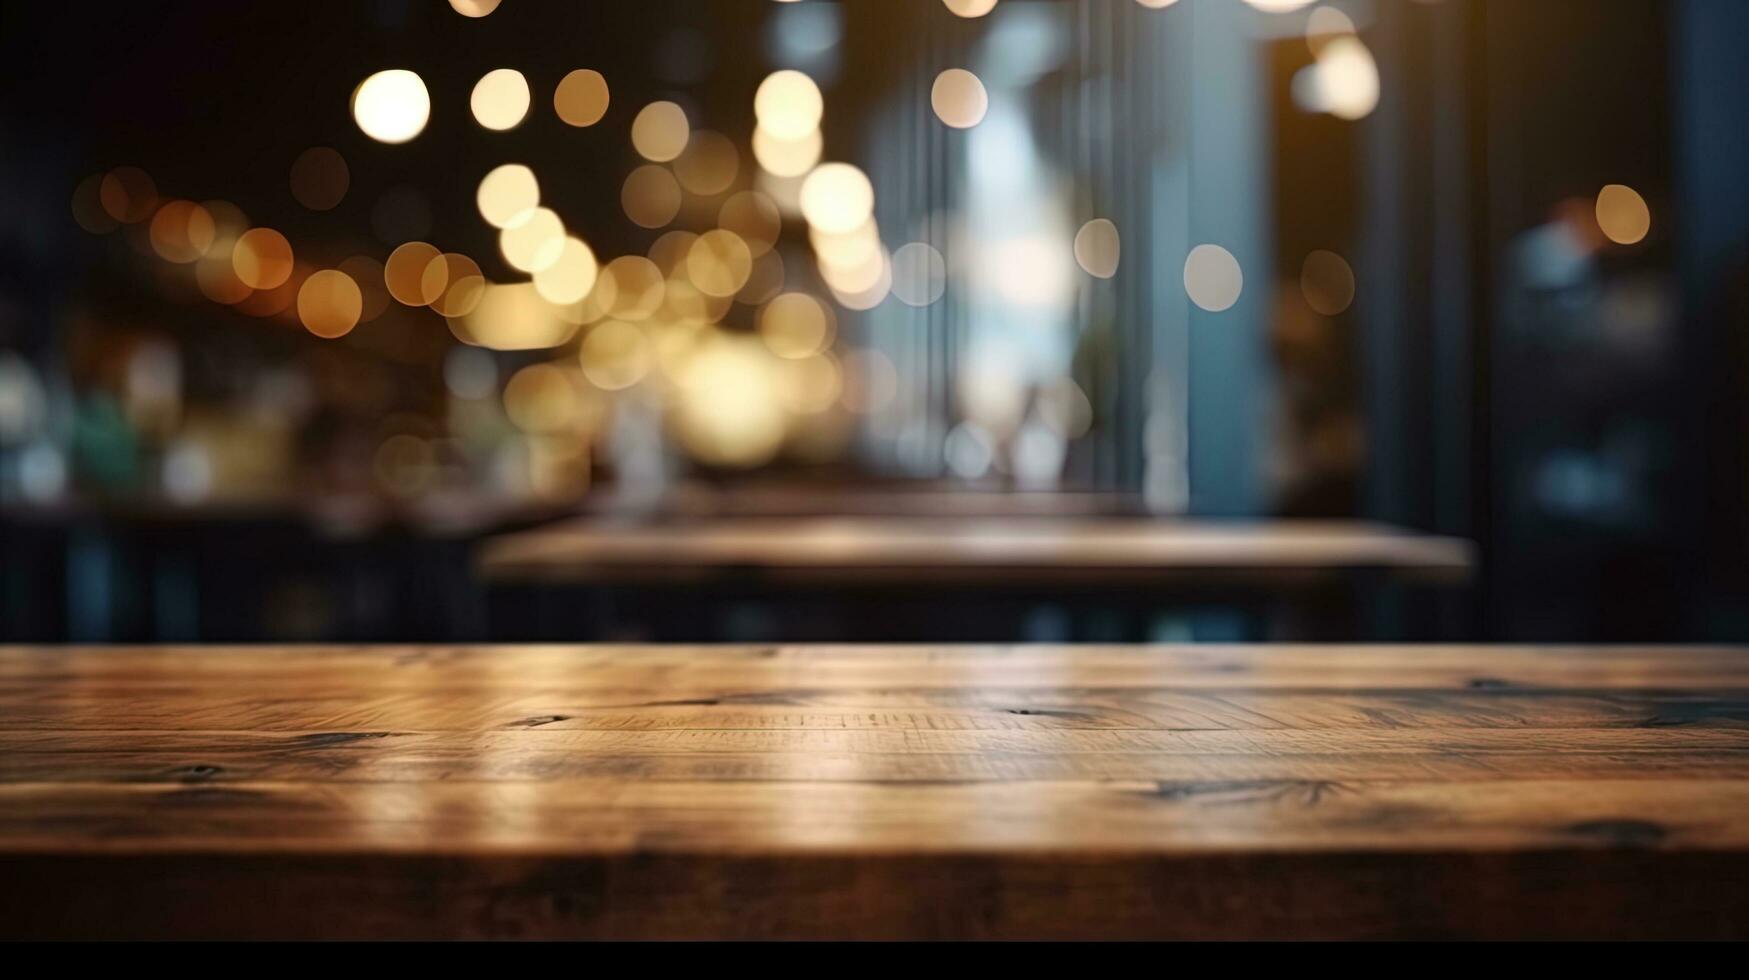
917, 792
1134, 566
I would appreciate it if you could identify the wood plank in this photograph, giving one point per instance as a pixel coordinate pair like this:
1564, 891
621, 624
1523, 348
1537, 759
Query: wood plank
722, 791
109, 706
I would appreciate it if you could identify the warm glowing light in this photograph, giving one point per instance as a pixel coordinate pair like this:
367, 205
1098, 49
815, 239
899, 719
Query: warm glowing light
660, 131
570, 278
708, 164
391, 106
506, 193
581, 98
1343, 82
533, 241
329, 303
787, 158
1213, 278
728, 413
637, 287
1278, 6
182, 232
1622, 214
500, 99
319, 178
864, 298
846, 250
719, 263
615, 355
788, 105
795, 325
513, 317
958, 98
217, 277
650, 196
474, 8
919, 274
1157, 4
542, 399
837, 198
1327, 282
454, 282
810, 385
1326, 24
262, 258
970, 8
128, 195
1097, 248
669, 251
404, 273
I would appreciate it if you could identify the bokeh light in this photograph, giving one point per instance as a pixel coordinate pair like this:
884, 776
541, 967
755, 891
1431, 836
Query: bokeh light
581, 98
391, 106
500, 99
650, 196
787, 158
615, 355
505, 193
719, 263
329, 303
795, 325
128, 195
919, 274
1327, 282
970, 8
454, 283
404, 273
570, 278
1213, 278
513, 316
708, 165
262, 258
958, 98
533, 241
788, 105
1622, 214
182, 232
837, 198
1097, 248
660, 132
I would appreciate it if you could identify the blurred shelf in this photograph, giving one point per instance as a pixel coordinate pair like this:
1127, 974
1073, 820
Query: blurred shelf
972, 550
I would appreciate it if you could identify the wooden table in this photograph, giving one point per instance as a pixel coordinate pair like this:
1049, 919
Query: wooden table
880, 792
998, 550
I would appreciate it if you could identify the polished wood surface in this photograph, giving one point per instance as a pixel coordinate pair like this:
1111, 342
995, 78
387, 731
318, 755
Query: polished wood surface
718, 791
887, 550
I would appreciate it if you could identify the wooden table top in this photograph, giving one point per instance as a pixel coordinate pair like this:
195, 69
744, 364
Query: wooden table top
926, 791
1015, 548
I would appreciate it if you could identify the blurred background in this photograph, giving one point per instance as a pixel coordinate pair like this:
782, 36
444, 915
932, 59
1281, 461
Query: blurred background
415, 319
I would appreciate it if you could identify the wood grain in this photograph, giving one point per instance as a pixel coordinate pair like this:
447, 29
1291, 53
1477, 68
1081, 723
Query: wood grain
882, 792
1017, 550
